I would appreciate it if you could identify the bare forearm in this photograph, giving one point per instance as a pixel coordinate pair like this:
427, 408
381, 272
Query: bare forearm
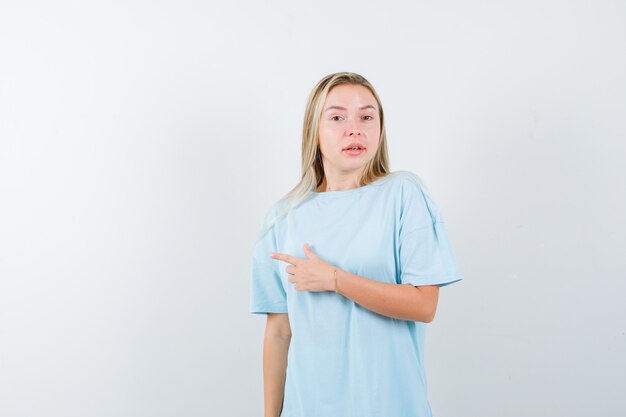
399, 301
275, 350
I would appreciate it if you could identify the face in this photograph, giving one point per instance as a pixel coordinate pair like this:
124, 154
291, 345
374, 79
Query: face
349, 116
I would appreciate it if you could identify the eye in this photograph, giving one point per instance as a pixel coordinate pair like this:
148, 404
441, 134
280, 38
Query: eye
335, 117
370, 117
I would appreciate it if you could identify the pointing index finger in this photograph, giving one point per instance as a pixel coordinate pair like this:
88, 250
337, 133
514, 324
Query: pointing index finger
283, 257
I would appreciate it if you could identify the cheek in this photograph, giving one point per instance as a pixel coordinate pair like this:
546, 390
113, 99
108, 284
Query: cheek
328, 129
374, 137
373, 130
326, 135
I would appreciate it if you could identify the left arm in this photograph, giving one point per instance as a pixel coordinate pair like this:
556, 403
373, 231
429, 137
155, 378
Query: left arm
401, 301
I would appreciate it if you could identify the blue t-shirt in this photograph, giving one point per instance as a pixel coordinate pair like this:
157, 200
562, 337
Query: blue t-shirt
345, 360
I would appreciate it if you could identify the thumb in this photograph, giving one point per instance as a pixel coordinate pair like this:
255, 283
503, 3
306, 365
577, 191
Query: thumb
308, 251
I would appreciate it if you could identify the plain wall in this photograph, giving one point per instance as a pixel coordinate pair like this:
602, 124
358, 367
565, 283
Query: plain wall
141, 143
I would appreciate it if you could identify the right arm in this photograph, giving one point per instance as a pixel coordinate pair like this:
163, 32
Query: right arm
275, 350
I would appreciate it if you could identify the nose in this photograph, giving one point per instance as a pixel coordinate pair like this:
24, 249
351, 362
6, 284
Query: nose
352, 129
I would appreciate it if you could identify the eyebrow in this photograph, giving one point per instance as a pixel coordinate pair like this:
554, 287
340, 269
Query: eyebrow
369, 106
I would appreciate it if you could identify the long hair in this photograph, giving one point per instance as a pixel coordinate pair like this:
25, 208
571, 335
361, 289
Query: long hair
312, 167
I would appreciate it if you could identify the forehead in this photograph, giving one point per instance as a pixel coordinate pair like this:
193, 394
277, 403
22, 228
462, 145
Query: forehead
346, 95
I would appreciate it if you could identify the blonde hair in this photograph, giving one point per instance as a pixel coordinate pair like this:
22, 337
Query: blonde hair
312, 168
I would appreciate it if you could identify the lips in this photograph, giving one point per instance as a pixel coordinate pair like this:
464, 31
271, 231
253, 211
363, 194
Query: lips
354, 145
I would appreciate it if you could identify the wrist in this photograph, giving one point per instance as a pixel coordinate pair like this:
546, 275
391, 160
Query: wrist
336, 274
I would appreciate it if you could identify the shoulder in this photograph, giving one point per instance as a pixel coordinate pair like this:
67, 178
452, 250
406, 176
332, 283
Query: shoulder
273, 215
409, 182
415, 196
274, 209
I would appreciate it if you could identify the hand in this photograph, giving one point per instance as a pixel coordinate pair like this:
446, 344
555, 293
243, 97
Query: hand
309, 274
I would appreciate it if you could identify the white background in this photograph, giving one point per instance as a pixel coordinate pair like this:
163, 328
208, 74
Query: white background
141, 143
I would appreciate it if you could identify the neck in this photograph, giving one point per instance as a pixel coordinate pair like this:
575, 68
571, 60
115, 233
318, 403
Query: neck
339, 183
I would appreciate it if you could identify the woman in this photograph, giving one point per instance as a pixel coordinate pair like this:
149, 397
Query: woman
348, 267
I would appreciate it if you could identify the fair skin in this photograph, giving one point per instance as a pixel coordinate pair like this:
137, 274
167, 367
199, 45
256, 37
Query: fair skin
350, 114
401, 301
275, 352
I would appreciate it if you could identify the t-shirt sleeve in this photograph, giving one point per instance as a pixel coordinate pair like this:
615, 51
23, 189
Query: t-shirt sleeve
267, 293
425, 253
